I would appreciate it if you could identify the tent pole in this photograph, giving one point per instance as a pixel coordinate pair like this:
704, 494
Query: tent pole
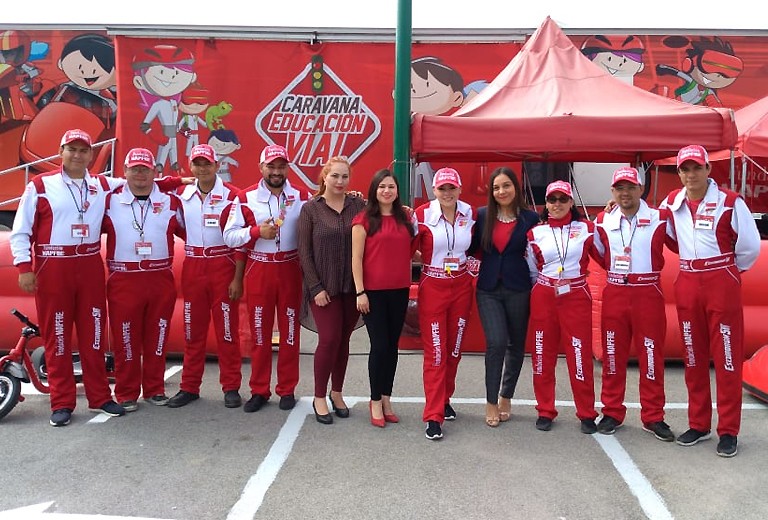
733, 172
402, 141
743, 189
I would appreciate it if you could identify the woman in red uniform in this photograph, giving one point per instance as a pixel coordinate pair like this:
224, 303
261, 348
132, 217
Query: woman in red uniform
381, 267
561, 306
445, 293
325, 251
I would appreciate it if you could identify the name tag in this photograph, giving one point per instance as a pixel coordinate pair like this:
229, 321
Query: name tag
211, 220
621, 263
704, 222
562, 288
450, 263
143, 248
81, 231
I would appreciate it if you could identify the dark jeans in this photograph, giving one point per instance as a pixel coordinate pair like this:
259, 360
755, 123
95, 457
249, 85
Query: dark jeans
384, 323
504, 316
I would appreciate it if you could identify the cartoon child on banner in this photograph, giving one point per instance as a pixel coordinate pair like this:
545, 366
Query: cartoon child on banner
19, 81
88, 61
436, 89
194, 101
162, 73
710, 64
621, 56
225, 143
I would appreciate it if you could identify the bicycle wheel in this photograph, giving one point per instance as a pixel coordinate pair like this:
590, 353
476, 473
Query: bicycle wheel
10, 389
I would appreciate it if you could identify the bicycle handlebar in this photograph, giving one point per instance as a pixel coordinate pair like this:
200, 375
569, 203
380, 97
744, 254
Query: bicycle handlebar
25, 320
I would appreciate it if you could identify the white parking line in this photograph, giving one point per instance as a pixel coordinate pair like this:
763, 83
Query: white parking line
650, 501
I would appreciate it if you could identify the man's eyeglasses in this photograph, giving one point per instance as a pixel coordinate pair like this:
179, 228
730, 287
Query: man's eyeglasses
562, 199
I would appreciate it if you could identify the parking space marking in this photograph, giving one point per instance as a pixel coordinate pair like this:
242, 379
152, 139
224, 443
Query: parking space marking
650, 501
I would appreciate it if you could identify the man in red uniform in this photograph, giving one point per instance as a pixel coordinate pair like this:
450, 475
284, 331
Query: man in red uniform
630, 241
264, 219
718, 240
140, 224
58, 223
211, 281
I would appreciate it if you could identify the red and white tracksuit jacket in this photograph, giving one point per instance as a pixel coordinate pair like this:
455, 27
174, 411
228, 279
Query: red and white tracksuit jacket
58, 223
715, 244
561, 311
445, 298
208, 269
632, 251
272, 280
141, 292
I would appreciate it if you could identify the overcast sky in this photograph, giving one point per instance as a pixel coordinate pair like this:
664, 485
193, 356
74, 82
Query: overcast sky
569, 14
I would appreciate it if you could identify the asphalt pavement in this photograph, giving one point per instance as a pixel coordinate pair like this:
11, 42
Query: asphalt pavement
205, 461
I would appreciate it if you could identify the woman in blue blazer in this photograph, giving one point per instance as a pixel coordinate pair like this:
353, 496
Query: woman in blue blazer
503, 288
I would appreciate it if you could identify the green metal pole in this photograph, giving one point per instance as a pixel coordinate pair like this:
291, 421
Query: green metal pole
402, 137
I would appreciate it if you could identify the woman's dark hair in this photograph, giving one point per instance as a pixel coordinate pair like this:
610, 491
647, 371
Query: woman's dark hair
492, 210
373, 210
575, 214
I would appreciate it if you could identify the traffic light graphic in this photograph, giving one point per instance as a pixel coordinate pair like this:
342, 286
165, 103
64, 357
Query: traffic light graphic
317, 74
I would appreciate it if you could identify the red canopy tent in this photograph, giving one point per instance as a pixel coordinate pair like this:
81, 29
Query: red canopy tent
551, 103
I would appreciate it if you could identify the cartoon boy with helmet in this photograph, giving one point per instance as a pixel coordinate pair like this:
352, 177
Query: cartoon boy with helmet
619, 55
162, 73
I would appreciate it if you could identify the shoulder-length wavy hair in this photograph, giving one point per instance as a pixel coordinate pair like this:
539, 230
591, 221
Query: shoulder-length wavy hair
373, 209
492, 210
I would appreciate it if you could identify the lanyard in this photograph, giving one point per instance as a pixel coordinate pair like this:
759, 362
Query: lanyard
628, 247
136, 225
82, 206
280, 216
565, 248
450, 240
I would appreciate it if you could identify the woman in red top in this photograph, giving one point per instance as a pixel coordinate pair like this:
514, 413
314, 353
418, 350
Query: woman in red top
325, 236
381, 266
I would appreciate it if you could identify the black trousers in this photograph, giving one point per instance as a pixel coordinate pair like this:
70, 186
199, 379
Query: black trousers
384, 323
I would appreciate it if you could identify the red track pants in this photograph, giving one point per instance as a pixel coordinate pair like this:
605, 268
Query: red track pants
633, 314
205, 287
270, 285
444, 307
70, 291
140, 309
711, 321
562, 320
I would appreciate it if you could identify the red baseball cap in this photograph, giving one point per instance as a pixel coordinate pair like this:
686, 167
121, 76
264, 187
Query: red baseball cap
139, 157
70, 136
446, 176
561, 186
693, 152
626, 173
272, 152
203, 150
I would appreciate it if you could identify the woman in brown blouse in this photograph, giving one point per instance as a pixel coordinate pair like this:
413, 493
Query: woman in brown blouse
325, 250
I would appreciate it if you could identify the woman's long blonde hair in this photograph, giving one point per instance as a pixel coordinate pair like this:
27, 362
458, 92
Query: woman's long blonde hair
327, 169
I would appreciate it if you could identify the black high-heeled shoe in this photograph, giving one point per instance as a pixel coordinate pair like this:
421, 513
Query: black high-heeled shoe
341, 413
322, 419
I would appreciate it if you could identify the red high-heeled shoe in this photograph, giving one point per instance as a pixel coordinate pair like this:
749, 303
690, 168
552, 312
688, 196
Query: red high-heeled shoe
391, 417
379, 423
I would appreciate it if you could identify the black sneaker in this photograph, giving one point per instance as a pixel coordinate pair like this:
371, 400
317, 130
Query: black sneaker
434, 431
110, 408
727, 446
287, 402
588, 426
449, 414
182, 398
544, 424
692, 436
232, 399
130, 406
660, 430
158, 400
61, 417
255, 403
608, 425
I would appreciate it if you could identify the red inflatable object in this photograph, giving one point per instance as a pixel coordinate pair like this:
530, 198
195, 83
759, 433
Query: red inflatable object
755, 377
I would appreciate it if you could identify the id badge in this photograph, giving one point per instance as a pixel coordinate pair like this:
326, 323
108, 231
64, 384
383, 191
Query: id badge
143, 248
621, 263
211, 220
450, 263
81, 231
562, 287
704, 222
